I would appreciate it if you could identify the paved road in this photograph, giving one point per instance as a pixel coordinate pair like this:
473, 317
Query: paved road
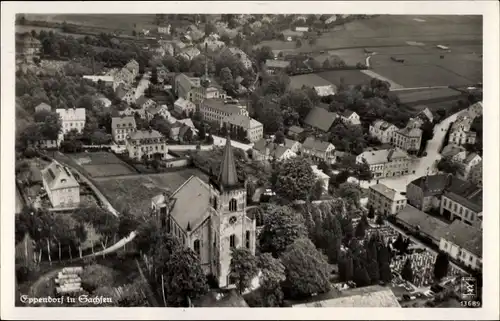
142, 86
219, 141
423, 165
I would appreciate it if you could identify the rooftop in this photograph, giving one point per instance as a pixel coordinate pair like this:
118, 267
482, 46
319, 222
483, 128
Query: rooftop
381, 124
437, 184
271, 63
219, 105
410, 132
146, 134
347, 113
470, 196
296, 129
388, 192
71, 113
57, 176
383, 156
124, 121
243, 121
427, 224
465, 236
312, 143
320, 118
451, 150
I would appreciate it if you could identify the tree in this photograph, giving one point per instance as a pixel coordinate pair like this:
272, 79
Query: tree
407, 271
384, 261
372, 264
262, 54
210, 29
371, 212
441, 266
447, 165
294, 179
243, 268
282, 226
273, 274
346, 267
317, 190
127, 223
360, 230
360, 276
350, 192
96, 275
279, 137
307, 270
380, 220
298, 43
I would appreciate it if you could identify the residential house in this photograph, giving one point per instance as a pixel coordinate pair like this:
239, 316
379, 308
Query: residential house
318, 150
476, 174
425, 192
295, 131
147, 143
240, 54
184, 107
108, 81
276, 66
293, 145
186, 134
214, 91
210, 218
426, 114
42, 107
322, 177
145, 103
265, 150
216, 110
61, 186
123, 76
408, 139
386, 162
320, 118
189, 88
465, 204
121, 127
374, 296
460, 133
133, 67
463, 243
49, 143
415, 122
254, 129
350, 117
100, 100
454, 152
421, 224
468, 163
475, 110
125, 94
167, 46
385, 200
324, 91
383, 131
129, 111
164, 29
72, 118
190, 53
188, 122
160, 110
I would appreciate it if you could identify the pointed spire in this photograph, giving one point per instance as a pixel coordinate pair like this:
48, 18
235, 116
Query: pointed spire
228, 176
188, 227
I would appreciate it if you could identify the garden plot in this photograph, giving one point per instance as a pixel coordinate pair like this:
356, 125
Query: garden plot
102, 164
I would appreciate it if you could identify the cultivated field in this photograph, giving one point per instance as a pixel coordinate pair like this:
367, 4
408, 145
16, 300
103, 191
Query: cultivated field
309, 80
135, 191
350, 77
102, 164
409, 97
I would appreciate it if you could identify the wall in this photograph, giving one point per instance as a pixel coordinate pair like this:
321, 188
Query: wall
190, 147
177, 163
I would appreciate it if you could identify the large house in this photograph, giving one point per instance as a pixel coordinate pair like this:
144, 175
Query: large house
465, 204
190, 53
61, 186
454, 152
385, 200
408, 139
463, 243
320, 118
160, 110
383, 131
210, 218
265, 150
72, 118
318, 150
386, 162
189, 88
467, 164
216, 110
146, 143
254, 129
476, 174
293, 145
350, 117
121, 127
460, 133
425, 192
42, 107
133, 67
184, 107
125, 93
274, 66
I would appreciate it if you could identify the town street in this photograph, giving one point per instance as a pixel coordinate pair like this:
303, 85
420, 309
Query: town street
142, 86
423, 165
219, 141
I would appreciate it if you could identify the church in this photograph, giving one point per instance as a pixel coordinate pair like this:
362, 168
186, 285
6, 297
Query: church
210, 217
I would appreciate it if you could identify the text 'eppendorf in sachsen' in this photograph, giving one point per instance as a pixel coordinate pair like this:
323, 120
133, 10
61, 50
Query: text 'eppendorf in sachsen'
83, 299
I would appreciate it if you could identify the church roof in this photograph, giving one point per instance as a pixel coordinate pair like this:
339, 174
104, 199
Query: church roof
228, 176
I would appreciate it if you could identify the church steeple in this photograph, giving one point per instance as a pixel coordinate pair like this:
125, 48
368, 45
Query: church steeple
228, 176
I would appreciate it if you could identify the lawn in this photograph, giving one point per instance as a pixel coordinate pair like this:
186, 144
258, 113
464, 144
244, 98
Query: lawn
421, 75
135, 192
411, 96
101, 164
309, 80
350, 77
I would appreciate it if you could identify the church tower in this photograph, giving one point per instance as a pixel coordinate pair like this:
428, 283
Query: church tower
234, 228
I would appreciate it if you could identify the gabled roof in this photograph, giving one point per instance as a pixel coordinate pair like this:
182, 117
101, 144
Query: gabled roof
469, 196
439, 183
427, 113
382, 125
57, 176
388, 192
471, 157
320, 118
289, 143
427, 224
347, 113
382, 156
219, 105
295, 129
43, 106
123, 122
451, 150
410, 132
155, 109
243, 121
121, 91
272, 63
187, 121
145, 134
69, 114
184, 104
465, 236
142, 100
312, 143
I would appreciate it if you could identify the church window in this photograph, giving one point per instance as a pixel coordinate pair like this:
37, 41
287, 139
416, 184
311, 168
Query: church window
232, 220
247, 239
233, 205
197, 247
232, 241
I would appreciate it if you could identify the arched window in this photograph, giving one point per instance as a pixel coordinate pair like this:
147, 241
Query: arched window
197, 247
247, 239
233, 205
232, 241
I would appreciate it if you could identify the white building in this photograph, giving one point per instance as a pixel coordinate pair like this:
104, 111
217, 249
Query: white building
386, 162
216, 110
183, 106
460, 133
408, 139
265, 150
465, 204
61, 186
463, 243
383, 131
254, 129
150, 143
121, 127
350, 117
385, 200
72, 118
468, 164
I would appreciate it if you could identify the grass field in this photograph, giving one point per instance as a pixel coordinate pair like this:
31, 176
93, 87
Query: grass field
350, 77
102, 164
135, 192
411, 96
309, 80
